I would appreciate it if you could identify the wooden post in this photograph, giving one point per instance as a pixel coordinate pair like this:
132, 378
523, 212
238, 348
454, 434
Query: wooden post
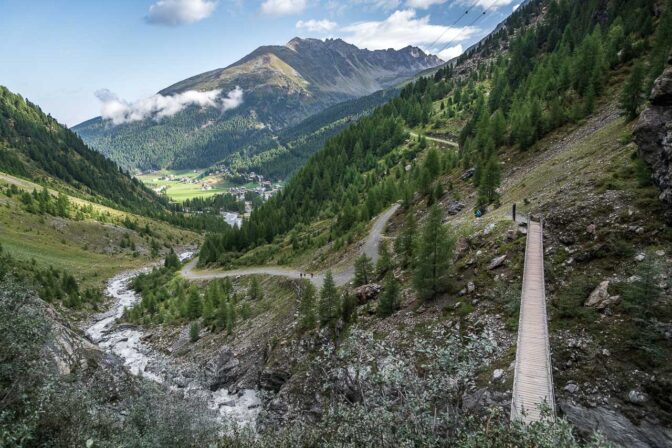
513, 211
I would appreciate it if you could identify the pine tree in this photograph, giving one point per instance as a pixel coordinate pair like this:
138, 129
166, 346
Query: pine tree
388, 302
222, 317
193, 305
384, 264
349, 304
230, 317
307, 307
193, 331
432, 163
254, 291
405, 243
490, 180
363, 270
171, 261
328, 305
434, 257
631, 97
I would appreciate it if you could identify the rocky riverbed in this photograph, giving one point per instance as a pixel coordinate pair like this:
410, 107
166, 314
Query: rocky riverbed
129, 343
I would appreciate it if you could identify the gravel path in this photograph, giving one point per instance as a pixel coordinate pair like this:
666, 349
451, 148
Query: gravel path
370, 248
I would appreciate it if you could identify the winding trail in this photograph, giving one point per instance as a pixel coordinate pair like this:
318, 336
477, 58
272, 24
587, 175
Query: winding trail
369, 248
438, 140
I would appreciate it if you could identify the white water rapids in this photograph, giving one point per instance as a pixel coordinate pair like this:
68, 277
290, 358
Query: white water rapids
126, 342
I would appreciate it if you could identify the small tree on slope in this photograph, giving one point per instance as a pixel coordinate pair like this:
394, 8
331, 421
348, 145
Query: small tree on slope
435, 253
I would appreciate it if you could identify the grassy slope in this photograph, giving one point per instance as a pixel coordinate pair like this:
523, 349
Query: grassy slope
89, 249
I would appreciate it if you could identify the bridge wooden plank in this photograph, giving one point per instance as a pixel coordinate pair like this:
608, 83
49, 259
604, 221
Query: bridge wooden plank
533, 381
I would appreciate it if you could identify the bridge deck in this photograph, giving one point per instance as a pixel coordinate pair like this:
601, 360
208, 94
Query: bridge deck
533, 378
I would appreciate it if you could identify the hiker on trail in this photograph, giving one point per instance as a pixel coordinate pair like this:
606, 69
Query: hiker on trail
478, 213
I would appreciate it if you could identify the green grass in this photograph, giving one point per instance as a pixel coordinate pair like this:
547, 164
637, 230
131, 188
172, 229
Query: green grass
179, 191
89, 249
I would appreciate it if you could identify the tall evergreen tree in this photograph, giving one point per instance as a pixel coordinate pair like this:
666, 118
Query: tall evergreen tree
405, 243
384, 264
490, 180
631, 97
363, 270
193, 305
307, 306
328, 307
433, 261
388, 302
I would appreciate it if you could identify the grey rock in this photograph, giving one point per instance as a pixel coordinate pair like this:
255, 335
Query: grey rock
497, 375
637, 397
497, 262
222, 370
454, 207
571, 388
600, 298
368, 292
640, 257
469, 173
616, 427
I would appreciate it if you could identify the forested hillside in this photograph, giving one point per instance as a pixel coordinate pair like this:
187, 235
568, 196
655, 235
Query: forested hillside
280, 87
278, 157
558, 58
35, 146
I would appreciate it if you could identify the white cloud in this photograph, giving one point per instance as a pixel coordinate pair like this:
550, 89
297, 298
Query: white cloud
378, 4
401, 29
180, 12
159, 106
423, 4
316, 26
484, 4
282, 7
450, 52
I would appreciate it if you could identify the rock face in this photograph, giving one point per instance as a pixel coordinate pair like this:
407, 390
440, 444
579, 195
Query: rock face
653, 135
222, 369
616, 427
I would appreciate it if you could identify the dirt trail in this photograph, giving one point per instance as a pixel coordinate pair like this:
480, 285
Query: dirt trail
438, 140
370, 248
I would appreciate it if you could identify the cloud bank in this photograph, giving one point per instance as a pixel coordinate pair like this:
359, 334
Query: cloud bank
316, 26
403, 28
179, 12
158, 106
282, 7
450, 52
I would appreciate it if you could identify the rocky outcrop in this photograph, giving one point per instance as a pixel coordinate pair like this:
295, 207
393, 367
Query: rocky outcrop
366, 293
222, 370
600, 298
653, 135
616, 427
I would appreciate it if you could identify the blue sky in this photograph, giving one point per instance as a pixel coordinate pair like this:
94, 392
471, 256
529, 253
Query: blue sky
58, 53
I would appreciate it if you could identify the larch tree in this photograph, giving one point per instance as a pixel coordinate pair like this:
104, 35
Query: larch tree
328, 307
307, 317
434, 257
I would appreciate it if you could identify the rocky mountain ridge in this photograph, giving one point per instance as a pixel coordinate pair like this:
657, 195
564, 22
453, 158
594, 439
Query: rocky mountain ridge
281, 86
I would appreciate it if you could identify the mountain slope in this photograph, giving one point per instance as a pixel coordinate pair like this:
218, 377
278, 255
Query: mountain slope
281, 85
34, 145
